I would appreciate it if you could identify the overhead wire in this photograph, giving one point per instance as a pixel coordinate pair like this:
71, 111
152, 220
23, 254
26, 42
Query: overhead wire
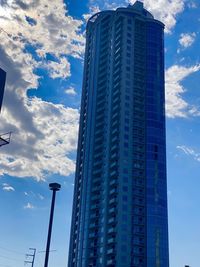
11, 37
8, 258
11, 250
4, 265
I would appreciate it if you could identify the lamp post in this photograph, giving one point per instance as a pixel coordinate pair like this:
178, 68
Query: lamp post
54, 187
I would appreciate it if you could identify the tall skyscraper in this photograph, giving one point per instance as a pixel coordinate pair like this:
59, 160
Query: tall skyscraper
120, 200
2, 85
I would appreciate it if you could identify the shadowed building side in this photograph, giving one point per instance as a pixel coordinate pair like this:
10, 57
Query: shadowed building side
4, 138
120, 199
2, 85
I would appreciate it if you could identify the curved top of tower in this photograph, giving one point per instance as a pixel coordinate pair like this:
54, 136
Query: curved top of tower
136, 8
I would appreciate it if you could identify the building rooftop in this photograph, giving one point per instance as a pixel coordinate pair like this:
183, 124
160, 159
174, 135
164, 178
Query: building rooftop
137, 5
137, 8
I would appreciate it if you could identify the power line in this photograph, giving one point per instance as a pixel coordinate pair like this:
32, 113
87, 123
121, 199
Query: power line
1, 29
8, 258
43, 251
5, 265
11, 36
11, 250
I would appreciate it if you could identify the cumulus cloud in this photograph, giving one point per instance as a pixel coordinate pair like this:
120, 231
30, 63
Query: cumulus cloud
58, 69
189, 152
36, 155
93, 9
70, 91
187, 39
7, 187
52, 31
44, 134
164, 10
176, 106
192, 4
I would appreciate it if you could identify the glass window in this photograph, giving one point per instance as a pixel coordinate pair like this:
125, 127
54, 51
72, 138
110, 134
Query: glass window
124, 207
125, 179
125, 198
126, 145
123, 247
126, 153
125, 188
126, 136
125, 170
127, 104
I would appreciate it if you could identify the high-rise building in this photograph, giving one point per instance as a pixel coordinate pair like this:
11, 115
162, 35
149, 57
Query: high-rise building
120, 200
2, 85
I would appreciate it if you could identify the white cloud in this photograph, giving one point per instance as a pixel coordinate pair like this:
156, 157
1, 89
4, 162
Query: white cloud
176, 106
44, 134
194, 111
59, 69
187, 39
34, 195
163, 10
192, 4
47, 149
7, 187
93, 9
41, 197
29, 206
71, 91
190, 152
52, 32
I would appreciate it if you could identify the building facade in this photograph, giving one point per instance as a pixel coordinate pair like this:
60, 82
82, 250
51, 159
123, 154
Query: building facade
120, 200
2, 85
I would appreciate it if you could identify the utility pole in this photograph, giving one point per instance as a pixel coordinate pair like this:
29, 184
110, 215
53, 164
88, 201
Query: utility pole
31, 257
54, 187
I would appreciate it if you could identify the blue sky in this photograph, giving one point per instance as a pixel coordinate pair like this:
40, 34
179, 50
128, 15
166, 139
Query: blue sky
42, 49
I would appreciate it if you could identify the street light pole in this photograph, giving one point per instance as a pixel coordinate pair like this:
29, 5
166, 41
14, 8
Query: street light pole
54, 187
